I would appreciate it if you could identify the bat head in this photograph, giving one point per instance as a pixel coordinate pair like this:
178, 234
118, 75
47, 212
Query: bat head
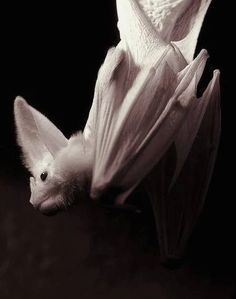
60, 167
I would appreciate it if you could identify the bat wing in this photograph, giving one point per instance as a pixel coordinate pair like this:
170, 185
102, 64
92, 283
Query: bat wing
146, 121
177, 186
134, 130
178, 21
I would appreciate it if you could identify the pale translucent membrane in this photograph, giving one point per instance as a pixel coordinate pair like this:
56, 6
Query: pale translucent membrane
146, 121
179, 21
176, 210
133, 133
36, 134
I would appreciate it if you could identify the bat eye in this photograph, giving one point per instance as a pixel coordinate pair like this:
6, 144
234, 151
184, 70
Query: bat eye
43, 176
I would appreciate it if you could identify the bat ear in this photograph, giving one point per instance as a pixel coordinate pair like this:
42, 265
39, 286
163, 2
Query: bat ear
37, 136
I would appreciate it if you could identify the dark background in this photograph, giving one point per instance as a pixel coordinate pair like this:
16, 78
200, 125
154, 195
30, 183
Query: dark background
50, 56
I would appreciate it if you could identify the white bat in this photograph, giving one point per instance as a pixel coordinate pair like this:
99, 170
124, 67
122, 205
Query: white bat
146, 125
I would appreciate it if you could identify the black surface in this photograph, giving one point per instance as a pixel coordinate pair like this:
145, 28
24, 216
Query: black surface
50, 56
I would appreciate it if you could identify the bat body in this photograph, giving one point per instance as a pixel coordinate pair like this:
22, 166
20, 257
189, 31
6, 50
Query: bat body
145, 113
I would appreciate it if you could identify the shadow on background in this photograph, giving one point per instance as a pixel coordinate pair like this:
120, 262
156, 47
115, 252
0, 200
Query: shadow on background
104, 253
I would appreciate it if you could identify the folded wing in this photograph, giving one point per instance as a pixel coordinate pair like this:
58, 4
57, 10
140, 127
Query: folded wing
134, 130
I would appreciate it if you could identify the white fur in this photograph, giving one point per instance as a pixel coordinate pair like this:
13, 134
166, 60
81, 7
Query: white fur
74, 162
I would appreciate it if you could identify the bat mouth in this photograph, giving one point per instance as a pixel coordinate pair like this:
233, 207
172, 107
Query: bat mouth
49, 207
51, 204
